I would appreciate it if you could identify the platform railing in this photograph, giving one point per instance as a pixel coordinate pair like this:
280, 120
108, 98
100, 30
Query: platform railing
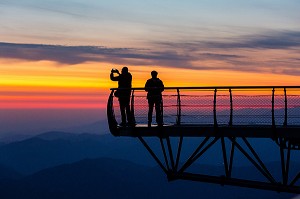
240, 105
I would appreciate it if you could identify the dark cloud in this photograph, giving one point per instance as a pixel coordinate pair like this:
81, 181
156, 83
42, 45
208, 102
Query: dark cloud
71, 55
236, 49
79, 54
270, 40
187, 55
63, 54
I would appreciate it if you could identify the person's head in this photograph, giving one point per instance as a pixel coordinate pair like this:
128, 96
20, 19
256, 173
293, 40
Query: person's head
124, 70
154, 74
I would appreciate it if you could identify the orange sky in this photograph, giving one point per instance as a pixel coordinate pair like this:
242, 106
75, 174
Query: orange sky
46, 84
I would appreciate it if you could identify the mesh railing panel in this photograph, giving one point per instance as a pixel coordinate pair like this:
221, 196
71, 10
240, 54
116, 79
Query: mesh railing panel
293, 107
196, 108
249, 107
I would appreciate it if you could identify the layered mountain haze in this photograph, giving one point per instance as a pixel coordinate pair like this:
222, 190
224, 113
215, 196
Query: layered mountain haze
54, 148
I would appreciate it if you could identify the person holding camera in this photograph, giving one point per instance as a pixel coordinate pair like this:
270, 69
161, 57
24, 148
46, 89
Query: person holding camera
123, 93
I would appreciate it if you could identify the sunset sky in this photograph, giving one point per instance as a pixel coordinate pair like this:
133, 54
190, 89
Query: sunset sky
57, 54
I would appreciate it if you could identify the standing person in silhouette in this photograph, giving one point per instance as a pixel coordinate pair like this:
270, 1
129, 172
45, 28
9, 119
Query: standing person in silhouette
123, 93
155, 87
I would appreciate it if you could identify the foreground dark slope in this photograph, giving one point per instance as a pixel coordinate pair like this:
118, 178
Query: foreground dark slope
8, 173
109, 178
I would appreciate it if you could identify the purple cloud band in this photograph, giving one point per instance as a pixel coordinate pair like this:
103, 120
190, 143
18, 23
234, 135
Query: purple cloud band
171, 54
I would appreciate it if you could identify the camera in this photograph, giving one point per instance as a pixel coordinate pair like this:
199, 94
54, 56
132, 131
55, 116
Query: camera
114, 70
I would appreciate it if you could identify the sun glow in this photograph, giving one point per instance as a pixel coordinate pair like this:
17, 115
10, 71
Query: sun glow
45, 84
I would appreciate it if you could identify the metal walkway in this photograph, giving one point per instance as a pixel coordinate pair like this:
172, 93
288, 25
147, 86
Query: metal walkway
226, 123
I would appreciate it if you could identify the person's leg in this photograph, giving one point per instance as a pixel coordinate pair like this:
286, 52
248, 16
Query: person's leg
127, 108
151, 104
122, 110
158, 111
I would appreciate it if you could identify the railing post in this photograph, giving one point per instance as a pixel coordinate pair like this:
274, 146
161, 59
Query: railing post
178, 120
215, 108
285, 108
231, 108
273, 111
132, 109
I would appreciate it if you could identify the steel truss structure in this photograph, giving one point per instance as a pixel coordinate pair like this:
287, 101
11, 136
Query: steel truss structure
230, 124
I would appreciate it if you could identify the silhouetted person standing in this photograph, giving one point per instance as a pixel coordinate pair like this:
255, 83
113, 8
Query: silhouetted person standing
155, 87
124, 83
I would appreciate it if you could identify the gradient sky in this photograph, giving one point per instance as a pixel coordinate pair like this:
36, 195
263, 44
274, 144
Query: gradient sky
57, 54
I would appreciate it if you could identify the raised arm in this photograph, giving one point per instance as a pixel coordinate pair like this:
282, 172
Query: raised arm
113, 78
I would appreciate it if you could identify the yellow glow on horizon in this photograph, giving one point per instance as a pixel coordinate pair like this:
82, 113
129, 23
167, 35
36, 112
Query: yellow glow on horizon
45, 73
46, 84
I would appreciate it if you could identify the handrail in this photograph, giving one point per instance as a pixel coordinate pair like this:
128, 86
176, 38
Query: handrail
215, 87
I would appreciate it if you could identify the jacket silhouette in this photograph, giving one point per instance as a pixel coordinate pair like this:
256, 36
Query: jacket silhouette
155, 87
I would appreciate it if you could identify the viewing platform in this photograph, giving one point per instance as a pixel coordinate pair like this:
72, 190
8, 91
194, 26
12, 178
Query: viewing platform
263, 111
233, 118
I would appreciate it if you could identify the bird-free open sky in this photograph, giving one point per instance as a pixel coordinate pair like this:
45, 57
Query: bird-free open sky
57, 54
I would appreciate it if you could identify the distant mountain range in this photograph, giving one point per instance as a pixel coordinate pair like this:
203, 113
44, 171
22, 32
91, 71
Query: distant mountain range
55, 148
99, 127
